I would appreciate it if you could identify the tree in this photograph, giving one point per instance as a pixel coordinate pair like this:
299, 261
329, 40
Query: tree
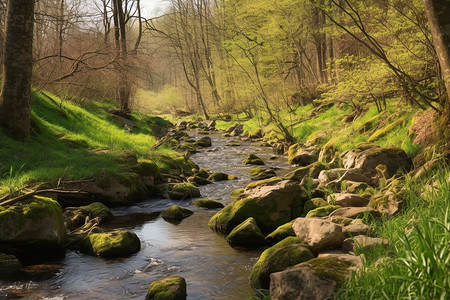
17, 68
438, 12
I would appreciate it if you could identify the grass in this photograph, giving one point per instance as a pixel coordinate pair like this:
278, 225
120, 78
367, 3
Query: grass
417, 263
71, 142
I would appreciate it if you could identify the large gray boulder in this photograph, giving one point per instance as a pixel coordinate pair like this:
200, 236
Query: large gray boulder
272, 202
319, 234
318, 278
368, 156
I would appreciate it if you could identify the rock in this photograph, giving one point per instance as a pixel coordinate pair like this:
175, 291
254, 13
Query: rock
252, 159
313, 204
112, 244
302, 156
203, 173
219, 176
176, 213
355, 212
233, 144
181, 125
353, 187
280, 233
272, 202
339, 175
197, 180
318, 278
367, 157
170, 288
247, 234
237, 193
287, 253
313, 170
279, 148
208, 203
77, 216
39, 272
327, 152
361, 243
204, 142
35, 224
346, 200
387, 202
10, 267
261, 173
183, 191
356, 229
319, 234
341, 220
238, 130
255, 134
322, 211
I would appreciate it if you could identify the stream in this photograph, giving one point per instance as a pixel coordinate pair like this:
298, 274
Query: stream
212, 269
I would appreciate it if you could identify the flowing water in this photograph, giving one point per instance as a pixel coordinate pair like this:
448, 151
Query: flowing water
213, 270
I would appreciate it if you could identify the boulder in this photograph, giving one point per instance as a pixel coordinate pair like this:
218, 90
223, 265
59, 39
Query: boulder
203, 173
219, 176
183, 191
255, 134
339, 175
289, 252
176, 213
361, 243
197, 180
247, 235
272, 202
302, 156
10, 267
252, 159
77, 216
237, 130
368, 156
208, 203
35, 224
280, 233
319, 234
261, 173
169, 288
355, 229
181, 125
355, 212
204, 142
318, 278
387, 202
322, 211
313, 170
112, 244
347, 199
313, 204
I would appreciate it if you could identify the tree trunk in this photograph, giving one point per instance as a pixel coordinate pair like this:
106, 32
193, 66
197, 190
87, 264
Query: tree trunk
17, 68
438, 12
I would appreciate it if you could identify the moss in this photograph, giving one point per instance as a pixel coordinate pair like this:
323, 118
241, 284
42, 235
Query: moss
288, 252
218, 176
203, 142
254, 134
73, 141
331, 268
247, 234
208, 203
265, 182
292, 151
236, 193
149, 168
261, 173
280, 233
322, 211
385, 130
97, 209
113, 244
176, 212
170, 288
313, 204
341, 220
184, 190
252, 159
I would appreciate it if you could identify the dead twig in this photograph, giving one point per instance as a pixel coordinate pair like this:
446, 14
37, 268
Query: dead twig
24, 196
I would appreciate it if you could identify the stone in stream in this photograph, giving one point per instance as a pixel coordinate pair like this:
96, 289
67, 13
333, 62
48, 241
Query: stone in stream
204, 142
176, 213
111, 244
247, 235
33, 225
261, 173
10, 267
280, 233
252, 159
183, 191
272, 202
169, 288
208, 203
77, 216
318, 278
197, 180
288, 252
220, 176
319, 234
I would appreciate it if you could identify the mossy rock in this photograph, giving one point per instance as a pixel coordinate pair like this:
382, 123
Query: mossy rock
322, 211
385, 130
331, 267
208, 203
10, 267
76, 216
292, 151
149, 168
236, 193
183, 191
280, 233
261, 173
218, 176
204, 142
176, 213
97, 209
203, 173
112, 244
255, 134
170, 288
341, 220
175, 165
265, 182
313, 204
197, 180
289, 252
35, 224
252, 159
247, 234
311, 170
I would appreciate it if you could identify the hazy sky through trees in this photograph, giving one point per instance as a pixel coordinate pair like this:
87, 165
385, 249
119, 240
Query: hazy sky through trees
154, 8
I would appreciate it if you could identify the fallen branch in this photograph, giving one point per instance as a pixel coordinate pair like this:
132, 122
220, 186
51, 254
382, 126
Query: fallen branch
24, 196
